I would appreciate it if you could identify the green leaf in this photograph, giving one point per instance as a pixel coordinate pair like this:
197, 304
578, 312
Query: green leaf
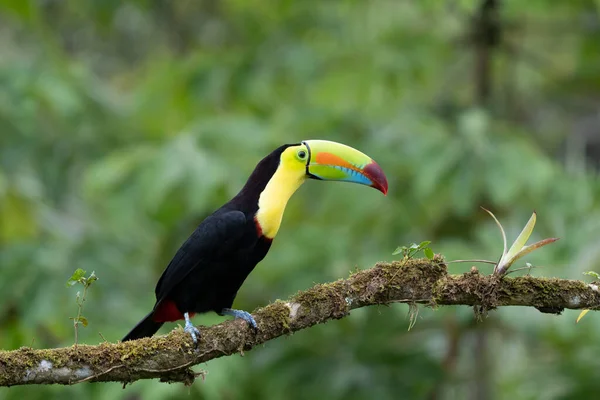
428, 253
399, 250
593, 274
528, 249
76, 277
519, 243
83, 320
91, 279
424, 244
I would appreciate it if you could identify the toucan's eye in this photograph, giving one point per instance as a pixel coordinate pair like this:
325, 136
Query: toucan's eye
302, 155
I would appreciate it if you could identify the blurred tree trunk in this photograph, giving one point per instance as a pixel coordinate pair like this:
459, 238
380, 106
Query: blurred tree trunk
487, 36
487, 31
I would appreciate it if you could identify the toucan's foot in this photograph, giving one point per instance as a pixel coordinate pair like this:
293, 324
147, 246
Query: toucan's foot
246, 316
191, 329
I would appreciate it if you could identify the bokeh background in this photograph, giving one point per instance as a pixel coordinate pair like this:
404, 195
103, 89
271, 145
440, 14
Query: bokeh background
124, 123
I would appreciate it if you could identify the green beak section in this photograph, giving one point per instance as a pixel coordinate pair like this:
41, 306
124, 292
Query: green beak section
331, 161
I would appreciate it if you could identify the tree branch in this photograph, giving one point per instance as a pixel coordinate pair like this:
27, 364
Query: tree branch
171, 357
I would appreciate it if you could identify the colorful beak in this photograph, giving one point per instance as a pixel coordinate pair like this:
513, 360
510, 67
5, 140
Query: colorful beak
331, 161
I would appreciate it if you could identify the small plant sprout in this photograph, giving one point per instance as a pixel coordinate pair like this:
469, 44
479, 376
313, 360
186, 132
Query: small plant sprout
407, 254
596, 276
79, 277
593, 274
518, 248
410, 251
413, 314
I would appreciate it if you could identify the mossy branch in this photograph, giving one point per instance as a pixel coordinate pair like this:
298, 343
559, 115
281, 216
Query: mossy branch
170, 357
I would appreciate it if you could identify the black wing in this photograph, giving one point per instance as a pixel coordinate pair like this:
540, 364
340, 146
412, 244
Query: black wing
213, 238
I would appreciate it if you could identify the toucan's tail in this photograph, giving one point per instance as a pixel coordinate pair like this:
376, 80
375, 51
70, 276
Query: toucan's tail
145, 328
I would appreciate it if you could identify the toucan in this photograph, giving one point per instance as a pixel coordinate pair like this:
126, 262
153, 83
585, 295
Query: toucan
209, 268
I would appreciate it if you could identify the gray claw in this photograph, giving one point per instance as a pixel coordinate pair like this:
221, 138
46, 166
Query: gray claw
191, 329
246, 316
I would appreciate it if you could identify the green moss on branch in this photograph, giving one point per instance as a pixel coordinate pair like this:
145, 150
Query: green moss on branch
170, 357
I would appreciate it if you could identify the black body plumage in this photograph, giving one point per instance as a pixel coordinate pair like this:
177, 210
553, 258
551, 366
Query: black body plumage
209, 268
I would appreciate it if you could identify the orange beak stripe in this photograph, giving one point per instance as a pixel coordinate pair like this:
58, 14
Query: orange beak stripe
331, 159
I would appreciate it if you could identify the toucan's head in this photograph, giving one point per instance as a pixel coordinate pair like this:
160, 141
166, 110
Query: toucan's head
279, 174
331, 161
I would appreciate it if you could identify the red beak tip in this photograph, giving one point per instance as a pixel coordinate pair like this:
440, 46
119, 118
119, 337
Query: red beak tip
375, 173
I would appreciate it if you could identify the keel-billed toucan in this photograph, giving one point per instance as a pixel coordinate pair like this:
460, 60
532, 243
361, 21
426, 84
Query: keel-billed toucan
209, 268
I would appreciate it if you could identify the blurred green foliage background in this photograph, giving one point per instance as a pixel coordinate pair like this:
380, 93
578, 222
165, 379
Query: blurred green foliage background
124, 123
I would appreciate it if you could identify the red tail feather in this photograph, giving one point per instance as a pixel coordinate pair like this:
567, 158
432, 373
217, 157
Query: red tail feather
167, 311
